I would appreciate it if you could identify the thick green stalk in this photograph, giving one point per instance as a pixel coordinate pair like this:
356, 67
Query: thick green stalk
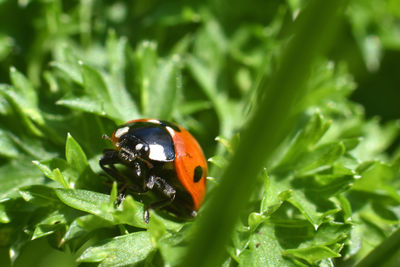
386, 254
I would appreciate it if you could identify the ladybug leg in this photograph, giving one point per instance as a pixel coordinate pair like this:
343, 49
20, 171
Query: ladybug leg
107, 162
165, 189
141, 175
121, 196
156, 205
110, 157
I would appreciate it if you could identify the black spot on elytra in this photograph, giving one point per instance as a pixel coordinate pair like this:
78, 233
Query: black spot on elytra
198, 173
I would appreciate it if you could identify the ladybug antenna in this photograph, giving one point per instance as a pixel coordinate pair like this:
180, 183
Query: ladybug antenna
106, 137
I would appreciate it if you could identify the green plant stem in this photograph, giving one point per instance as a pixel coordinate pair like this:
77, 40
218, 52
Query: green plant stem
265, 130
387, 252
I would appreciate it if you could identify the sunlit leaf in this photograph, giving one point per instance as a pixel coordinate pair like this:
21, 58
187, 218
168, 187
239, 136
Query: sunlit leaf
120, 251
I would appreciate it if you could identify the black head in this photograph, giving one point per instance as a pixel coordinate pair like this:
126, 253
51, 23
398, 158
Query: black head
131, 148
146, 140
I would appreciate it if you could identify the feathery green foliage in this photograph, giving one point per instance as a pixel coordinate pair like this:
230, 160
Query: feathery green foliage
317, 177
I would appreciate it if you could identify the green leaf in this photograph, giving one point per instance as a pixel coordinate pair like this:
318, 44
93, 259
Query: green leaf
156, 229
171, 246
69, 64
376, 139
27, 111
206, 77
52, 223
308, 208
147, 61
130, 212
330, 84
120, 251
97, 90
264, 250
46, 230
6, 46
98, 98
189, 108
75, 156
158, 77
60, 178
231, 145
38, 149
375, 177
304, 142
329, 234
85, 224
219, 161
40, 195
309, 195
330, 184
321, 158
351, 143
271, 200
121, 99
113, 194
5, 107
54, 175
7, 146
211, 44
88, 201
312, 254
83, 103
345, 207
165, 86
25, 96
4, 218
228, 113
17, 174
116, 48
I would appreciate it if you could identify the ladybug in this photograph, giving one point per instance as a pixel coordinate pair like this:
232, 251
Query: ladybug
161, 157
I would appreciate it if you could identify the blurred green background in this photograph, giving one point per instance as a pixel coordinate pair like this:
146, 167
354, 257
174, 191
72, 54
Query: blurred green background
368, 40
209, 58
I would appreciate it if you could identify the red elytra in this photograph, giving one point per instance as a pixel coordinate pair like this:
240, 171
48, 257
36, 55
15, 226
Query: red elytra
188, 156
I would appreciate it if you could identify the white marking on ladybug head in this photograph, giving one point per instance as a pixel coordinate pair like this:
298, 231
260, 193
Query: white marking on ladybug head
138, 146
171, 131
157, 153
121, 131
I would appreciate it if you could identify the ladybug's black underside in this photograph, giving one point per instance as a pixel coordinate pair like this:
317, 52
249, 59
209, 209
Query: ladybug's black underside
142, 173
